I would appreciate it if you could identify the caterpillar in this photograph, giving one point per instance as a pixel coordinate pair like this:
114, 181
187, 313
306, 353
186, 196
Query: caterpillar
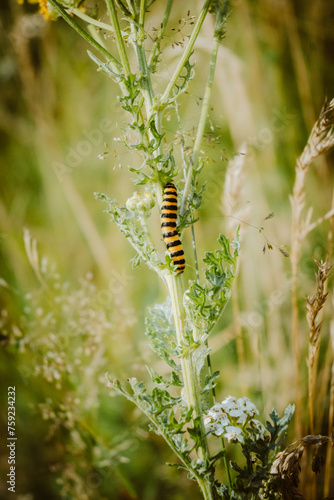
168, 227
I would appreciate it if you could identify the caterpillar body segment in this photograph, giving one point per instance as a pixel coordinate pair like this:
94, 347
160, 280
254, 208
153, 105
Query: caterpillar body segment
168, 227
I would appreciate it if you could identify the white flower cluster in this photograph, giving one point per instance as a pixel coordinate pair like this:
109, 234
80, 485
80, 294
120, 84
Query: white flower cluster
232, 418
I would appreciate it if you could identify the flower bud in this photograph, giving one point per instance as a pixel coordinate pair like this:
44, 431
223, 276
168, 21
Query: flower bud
140, 203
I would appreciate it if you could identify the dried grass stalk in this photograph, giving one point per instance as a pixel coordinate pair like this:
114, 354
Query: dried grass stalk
314, 305
328, 469
320, 141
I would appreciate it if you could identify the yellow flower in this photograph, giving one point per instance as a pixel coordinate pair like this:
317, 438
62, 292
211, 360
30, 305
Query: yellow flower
43, 9
29, 1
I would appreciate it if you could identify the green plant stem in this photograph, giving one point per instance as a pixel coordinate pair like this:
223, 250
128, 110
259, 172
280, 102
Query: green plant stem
142, 13
94, 34
175, 292
191, 385
202, 121
186, 53
62, 12
156, 48
190, 377
146, 78
143, 222
214, 399
132, 7
195, 251
119, 38
204, 485
90, 20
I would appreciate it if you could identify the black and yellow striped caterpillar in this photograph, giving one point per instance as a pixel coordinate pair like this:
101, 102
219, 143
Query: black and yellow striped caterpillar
168, 227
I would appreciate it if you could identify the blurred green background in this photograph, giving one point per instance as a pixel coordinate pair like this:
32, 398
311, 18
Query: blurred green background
72, 307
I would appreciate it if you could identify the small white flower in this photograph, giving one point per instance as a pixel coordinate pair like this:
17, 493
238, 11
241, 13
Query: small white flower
207, 420
220, 429
235, 412
229, 403
231, 411
239, 414
214, 428
216, 409
247, 406
233, 434
210, 427
223, 420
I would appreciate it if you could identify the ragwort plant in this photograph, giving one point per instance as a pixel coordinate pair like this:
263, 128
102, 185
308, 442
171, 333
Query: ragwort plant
178, 330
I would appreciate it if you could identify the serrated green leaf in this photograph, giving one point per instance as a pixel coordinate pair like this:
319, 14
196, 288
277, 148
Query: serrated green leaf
209, 382
129, 225
161, 332
205, 303
176, 381
136, 261
156, 378
196, 432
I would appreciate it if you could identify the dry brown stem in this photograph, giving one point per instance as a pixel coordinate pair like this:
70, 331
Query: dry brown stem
320, 141
314, 305
328, 469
